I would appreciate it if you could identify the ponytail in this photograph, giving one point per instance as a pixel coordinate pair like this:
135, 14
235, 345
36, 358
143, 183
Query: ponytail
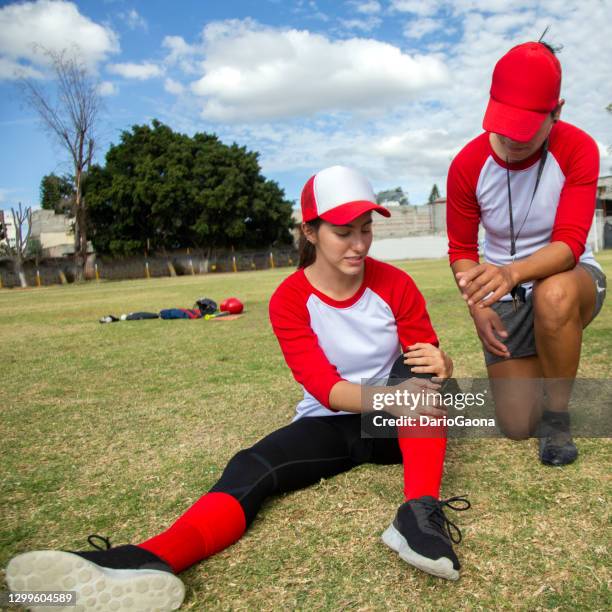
307, 252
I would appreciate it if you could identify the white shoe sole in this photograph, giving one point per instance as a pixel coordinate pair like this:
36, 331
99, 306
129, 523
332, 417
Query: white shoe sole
97, 588
442, 568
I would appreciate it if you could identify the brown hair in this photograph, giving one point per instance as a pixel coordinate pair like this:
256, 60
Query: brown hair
307, 252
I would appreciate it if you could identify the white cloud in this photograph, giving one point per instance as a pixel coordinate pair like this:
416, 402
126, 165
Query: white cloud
498, 6
412, 146
390, 153
420, 27
12, 69
306, 100
365, 25
134, 20
181, 54
54, 25
178, 47
313, 12
418, 7
254, 72
366, 7
173, 87
141, 72
107, 88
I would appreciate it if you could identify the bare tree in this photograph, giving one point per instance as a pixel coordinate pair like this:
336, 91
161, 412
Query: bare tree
70, 115
22, 222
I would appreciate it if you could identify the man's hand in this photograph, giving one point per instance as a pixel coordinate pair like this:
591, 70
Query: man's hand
489, 326
477, 282
428, 359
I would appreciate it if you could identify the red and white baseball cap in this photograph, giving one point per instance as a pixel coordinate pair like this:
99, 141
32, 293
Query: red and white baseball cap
338, 195
525, 88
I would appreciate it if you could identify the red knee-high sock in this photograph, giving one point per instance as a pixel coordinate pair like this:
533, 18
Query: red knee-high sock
214, 522
423, 459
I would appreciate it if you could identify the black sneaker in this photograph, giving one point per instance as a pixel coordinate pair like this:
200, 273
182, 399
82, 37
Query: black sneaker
109, 319
423, 536
556, 446
120, 578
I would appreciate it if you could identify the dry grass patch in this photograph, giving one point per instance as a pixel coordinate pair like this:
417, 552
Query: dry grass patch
116, 429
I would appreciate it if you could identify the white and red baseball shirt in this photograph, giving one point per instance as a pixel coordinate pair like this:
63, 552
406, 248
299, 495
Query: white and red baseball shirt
562, 209
325, 341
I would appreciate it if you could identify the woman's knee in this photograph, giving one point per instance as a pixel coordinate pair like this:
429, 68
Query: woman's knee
249, 479
244, 471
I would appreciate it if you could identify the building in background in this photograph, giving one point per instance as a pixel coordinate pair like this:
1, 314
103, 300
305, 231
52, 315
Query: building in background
53, 232
7, 228
604, 196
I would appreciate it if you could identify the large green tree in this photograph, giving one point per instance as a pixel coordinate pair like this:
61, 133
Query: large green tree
57, 193
164, 190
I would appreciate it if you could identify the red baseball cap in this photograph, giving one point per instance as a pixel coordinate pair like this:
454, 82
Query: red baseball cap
338, 195
525, 88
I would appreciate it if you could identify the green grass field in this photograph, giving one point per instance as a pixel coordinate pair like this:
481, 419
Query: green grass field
116, 429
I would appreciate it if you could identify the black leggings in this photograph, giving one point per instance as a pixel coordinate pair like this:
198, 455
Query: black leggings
299, 455
305, 451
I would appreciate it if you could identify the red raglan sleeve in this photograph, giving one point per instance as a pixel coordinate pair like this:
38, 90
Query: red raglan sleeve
407, 304
412, 318
578, 197
462, 209
300, 346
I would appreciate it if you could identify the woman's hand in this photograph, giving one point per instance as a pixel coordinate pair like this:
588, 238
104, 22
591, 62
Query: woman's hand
428, 359
477, 282
422, 397
489, 326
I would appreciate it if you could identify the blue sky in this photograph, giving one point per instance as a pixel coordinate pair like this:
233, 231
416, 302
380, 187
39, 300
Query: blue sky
392, 87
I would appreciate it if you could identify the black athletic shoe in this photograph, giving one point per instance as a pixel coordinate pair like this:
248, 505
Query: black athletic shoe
109, 319
556, 444
423, 536
121, 578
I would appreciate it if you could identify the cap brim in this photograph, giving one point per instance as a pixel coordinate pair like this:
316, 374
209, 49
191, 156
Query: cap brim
514, 123
345, 213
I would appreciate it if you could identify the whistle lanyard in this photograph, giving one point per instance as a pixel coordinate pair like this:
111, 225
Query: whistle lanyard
541, 165
518, 292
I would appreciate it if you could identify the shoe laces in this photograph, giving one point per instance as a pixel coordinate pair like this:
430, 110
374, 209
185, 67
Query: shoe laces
436, 516
92, 541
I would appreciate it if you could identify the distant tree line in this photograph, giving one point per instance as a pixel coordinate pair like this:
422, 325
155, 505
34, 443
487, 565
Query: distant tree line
392, 195
161, 190
57, 193
398, 195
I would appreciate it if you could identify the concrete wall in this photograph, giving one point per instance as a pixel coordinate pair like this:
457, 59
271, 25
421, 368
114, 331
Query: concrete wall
410, 247
404, 221
433, 246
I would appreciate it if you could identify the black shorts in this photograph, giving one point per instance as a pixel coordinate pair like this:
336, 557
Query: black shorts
519, 324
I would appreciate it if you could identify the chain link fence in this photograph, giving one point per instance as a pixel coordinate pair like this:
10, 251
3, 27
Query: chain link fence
176, 263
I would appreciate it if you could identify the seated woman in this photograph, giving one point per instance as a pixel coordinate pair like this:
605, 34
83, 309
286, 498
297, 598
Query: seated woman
340, 318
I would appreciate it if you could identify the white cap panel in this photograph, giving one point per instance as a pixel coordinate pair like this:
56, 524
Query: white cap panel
338, 185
